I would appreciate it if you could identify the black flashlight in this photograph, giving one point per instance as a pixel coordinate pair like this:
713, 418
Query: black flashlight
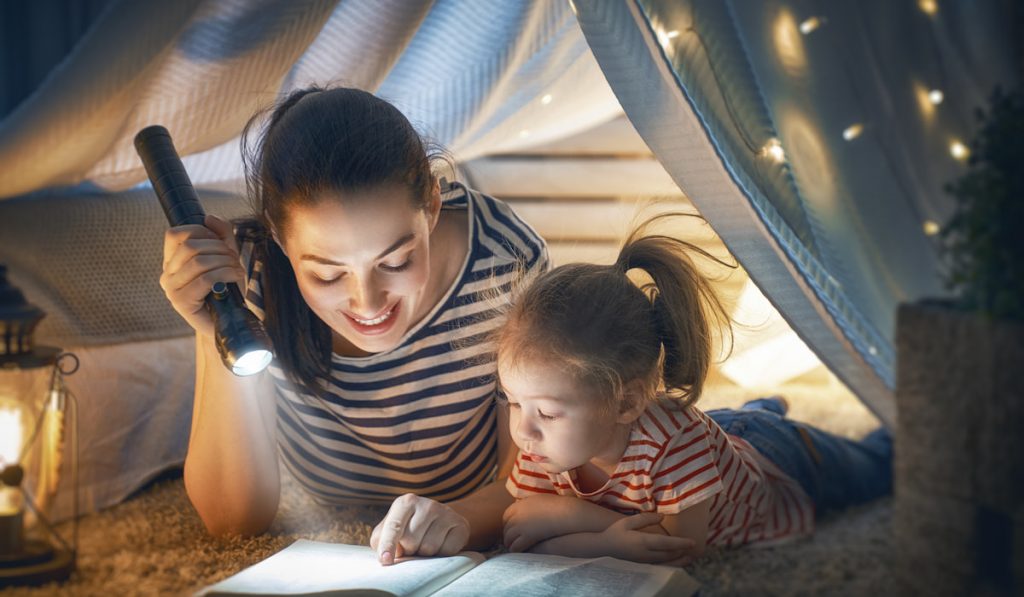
242, 342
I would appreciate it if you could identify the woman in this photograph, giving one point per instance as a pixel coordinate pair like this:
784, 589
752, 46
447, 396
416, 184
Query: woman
373, 283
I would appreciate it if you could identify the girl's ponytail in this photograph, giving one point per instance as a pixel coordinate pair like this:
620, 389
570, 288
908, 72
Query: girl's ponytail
685, 312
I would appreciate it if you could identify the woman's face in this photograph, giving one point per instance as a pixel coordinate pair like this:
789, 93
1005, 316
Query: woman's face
362, 263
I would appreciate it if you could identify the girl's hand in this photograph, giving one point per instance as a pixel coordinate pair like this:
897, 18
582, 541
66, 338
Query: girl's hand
195, 257
537, 518
627, 541
418, 526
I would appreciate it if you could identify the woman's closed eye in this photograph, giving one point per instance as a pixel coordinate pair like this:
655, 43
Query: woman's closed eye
324, 280
546, 417
396, 268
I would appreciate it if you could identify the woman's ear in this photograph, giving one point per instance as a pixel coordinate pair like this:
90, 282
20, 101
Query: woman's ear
275, 236
434, 205
634, 402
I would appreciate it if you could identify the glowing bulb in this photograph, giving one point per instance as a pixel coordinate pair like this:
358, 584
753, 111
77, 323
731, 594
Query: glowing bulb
958, 150
524, 134
935, 96
546, 99
872, 350
853, 131
930, 228
10, 434
809, 25
929, 7
665, 37
773, 149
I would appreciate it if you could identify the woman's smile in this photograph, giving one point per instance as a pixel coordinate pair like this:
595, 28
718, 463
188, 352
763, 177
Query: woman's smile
376, 325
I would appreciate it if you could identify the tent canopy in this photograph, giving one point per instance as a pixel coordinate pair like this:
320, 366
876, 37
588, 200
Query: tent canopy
815, 137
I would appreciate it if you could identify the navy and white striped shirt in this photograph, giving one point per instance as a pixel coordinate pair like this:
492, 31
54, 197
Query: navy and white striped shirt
421, 417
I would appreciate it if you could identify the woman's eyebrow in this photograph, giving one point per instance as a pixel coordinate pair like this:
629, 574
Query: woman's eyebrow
392, 247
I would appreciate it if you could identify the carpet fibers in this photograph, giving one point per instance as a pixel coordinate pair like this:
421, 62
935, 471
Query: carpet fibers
155, 544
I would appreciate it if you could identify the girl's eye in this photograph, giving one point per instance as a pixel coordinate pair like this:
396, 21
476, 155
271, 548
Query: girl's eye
545, 417
397, 268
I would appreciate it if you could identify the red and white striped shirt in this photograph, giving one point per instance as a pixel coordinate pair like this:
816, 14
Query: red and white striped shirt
678, 457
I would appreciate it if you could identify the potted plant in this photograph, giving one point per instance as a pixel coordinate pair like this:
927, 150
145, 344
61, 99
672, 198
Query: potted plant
958, 520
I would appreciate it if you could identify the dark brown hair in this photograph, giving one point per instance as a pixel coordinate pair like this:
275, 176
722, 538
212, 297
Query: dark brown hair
319, 143
608, 331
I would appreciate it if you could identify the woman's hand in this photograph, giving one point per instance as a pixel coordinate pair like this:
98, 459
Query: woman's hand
418, 526
195, 257
626, 540
537, 518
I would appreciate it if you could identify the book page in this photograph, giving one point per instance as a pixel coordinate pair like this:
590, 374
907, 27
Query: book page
534, 575
311, 567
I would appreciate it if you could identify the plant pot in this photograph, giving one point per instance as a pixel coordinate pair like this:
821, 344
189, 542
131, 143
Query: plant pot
958, 520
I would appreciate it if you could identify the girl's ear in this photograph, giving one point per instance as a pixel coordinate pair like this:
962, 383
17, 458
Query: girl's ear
634, 402
434, 205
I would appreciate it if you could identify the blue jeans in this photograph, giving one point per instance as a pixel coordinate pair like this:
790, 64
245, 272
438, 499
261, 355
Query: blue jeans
836, 472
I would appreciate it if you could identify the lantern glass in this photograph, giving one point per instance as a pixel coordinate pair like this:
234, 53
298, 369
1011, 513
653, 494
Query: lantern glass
33, 412
31, 424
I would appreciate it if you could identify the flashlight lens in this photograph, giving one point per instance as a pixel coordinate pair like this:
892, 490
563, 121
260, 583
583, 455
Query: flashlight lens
252, 362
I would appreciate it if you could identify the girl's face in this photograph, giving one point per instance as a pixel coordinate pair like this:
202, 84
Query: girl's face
362, 263
556, 422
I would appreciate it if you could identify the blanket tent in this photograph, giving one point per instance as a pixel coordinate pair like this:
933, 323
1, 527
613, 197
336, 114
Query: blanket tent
814, 136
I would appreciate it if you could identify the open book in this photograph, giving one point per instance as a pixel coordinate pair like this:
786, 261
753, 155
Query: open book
316, 568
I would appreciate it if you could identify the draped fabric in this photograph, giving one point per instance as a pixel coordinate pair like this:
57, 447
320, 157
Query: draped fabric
814, 147
468, 74
810, 136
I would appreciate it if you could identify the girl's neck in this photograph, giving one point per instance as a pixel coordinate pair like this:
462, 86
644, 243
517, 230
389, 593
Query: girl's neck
593, 475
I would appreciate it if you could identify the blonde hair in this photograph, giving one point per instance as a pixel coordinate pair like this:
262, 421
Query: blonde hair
608, 331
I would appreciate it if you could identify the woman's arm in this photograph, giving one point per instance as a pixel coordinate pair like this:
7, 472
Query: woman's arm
231, 471
422, 526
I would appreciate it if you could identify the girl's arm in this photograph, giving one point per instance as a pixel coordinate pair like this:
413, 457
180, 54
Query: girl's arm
646, 537
627, 539
540, 517
231, 473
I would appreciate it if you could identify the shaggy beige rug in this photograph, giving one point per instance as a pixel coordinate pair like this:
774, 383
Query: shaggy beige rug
155, 544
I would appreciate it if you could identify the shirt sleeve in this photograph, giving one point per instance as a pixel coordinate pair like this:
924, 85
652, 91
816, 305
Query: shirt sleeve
687, 472
527, 479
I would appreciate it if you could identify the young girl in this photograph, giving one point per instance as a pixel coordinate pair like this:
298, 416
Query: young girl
601, 376
369, 277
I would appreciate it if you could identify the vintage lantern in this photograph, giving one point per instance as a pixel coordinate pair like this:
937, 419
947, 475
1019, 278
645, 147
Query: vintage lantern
37, 420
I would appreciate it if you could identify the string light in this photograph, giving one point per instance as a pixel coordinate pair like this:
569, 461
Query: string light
546, 99
665, 37
524, 133
931, 228
929, 7
959, 151
810, 24
773, 149
853, 131
935, 96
